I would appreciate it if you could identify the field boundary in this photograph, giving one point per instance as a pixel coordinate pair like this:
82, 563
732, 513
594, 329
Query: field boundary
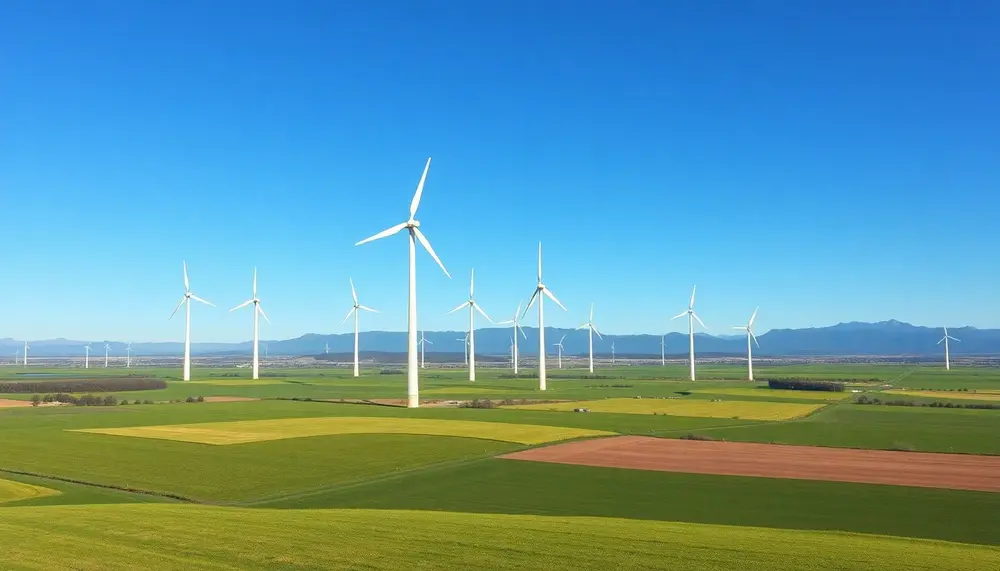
139, 491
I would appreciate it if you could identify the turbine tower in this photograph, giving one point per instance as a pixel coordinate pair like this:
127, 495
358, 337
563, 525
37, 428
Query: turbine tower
186, 300
473, 308
25, 354
423, 342
510, 350
257, 312
663, 351
947, 357
559, 348
749, 329
128, 355
86, 359
326, 349
691, 317
612, 352
107, 349
355, 310
413, 228
465, 346
540, 292
517, 327
591, 329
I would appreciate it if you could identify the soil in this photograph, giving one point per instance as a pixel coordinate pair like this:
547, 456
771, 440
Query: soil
10, 403
229, 399
921, 469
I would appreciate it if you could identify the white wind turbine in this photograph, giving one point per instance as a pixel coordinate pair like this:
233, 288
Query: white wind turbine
663, 349
510, 350
591, 329
465, 346
25, 354
517, 327
107, 349
612, 352
326, 349
947, 357
691, 317
86, 359
559, 348
539, 293
186, 300
749, 329
355, 310
128, 355
257, 312
473, 308
423, 342
413, 227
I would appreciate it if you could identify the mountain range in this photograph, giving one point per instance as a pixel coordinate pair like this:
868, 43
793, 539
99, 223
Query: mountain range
855, 338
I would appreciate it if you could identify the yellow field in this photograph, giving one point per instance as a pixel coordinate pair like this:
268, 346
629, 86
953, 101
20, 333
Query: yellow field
981, 395
240, 432
234, 382
748, 410
11, 491
469, 391
779, 394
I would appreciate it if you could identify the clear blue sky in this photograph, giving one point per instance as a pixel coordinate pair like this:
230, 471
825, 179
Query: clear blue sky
829, 161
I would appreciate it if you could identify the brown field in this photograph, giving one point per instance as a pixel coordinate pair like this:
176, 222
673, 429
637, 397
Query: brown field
229, 399
953, 471
10, 403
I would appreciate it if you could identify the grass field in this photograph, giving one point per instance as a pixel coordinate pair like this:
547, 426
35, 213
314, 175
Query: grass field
241, 432
947, 395
209, 538
12, 491
763, 392
687, 407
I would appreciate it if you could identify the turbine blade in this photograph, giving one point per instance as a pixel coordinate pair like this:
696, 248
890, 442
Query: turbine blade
679, 315
754, 337
354, 294
954, 339
464, 303
262, 314
508, 322
472, 283
187, 284
427, 246
743, 327
206, 302
539, 262
420, 190
255, 281
242, 305
584, 326
349, 314
939, 341
383, 233
525, 335
598, 333
428, 341
695, 315
530, 303
480, 310
366, 308
553, 298
563, 339
691, 305
754, 316
179, 304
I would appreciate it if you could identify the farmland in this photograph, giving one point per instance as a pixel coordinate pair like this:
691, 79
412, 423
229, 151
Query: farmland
283, 471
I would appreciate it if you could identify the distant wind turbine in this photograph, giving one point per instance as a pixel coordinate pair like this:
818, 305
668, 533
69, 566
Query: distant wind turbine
510, 350
663, 351
107, 349
257, 312
413, 227
612, 352
25, 354
465, 346
355, 311
128, 355
749, 329
517, 327
539, 293
86, 359
186, 300
947, 357
591, 329
423, 342
326, 349
473, 308
691, 317
559, 348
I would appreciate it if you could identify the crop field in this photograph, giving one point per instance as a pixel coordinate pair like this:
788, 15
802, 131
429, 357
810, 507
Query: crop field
265, 483
692, 407
947, 395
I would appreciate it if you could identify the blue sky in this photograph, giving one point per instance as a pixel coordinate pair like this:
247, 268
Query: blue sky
829, 161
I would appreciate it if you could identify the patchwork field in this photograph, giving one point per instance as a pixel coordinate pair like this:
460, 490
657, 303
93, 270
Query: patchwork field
962, 472
11, 491
241, 432
947, 395
750, 410
775, 394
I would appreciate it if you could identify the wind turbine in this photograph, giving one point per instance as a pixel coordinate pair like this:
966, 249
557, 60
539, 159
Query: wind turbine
612, 352
749, 329
423, 342
559, 348
107, 349
473, 308
663, 349
128, 355
326, 349
25, 354
691, 317
465, 346
947, 357
517, 326
257, 311
355, 311
413, 227
540, 289
86, 360
591, 329
188, 296
510, 349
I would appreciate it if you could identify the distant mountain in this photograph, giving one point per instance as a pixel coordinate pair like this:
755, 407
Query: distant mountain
855, 338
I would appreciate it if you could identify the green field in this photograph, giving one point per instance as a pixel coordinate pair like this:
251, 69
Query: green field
283, 471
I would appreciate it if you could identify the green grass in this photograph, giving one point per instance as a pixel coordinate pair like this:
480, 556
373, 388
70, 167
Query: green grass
762, 392
73, 493
752, 410
195, 538
12, 491
518, 487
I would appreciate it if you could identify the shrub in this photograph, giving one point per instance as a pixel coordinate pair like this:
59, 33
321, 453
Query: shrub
36, 400
200, 399
478, 403
693, 436
805, 385
189, 399
391, 372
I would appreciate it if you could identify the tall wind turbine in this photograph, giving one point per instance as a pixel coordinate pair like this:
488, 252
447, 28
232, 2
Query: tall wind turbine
749, 329
591, 329
107, 349
517, 327
559, 348
691, 317
128, 355
473, 308
25, 354
355, 310
663, 350
413, 227
186, 300
539, 293
423, 342
947, 357
86, 359
257, 311
612, 352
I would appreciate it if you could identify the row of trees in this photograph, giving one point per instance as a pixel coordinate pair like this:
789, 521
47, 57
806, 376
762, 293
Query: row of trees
83, 385
863, 399
93, 400
806, 385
